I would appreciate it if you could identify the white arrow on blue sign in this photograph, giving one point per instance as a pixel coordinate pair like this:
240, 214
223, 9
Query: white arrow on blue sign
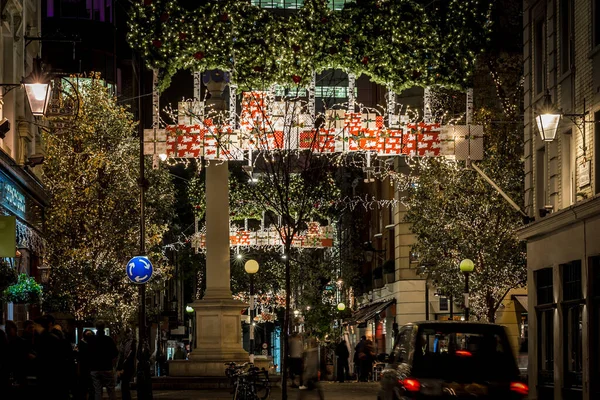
139, 269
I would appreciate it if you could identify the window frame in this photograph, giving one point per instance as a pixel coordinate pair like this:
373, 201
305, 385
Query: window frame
539, 52
566, 35
595, 24
572, 307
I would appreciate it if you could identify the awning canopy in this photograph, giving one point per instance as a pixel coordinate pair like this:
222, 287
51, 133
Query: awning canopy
522, 300
370, 311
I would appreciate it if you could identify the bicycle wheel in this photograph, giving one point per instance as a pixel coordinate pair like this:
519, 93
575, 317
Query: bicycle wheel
262, 390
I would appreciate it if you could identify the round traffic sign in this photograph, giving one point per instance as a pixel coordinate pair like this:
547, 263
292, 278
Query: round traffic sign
139, 269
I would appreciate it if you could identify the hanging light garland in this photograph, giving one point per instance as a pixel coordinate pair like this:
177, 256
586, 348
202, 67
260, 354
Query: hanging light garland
397, 43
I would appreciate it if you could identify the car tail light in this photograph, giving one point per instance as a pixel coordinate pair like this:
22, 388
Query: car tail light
520, 388
411, 385
463, 353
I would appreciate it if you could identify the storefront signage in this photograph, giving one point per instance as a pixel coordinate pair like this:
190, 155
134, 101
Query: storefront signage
584, 173
12, 198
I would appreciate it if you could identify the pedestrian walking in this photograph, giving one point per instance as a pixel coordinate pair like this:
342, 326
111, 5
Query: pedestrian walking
366, 358
126, 364
49, 356
103, 353
310, 375
85, 387
17, 354
31, 363
66, 361
4, 361
296, 354
342, 353
358, 349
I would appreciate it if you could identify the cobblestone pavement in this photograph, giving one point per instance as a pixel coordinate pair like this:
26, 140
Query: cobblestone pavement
331, 390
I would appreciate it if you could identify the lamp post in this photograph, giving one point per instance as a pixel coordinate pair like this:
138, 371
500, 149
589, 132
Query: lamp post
37, 87
466, 266
144, 380
547, 119
251, 268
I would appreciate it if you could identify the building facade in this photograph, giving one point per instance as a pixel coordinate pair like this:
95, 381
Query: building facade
21, 193
562, 185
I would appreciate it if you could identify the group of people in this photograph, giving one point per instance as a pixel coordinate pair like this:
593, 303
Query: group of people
42, 361
304, 363
364, 357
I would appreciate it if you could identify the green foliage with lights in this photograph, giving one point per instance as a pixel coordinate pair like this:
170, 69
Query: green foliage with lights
25, 291
456, 214
244, 202
91, 171
402, 43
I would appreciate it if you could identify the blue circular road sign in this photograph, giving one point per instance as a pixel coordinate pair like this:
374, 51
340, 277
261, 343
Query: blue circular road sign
139, 269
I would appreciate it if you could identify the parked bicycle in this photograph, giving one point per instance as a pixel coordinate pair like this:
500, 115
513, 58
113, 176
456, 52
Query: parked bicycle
248, 382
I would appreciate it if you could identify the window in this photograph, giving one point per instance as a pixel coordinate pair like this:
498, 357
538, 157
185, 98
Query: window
539, 55
443, 303
566, 18
295, 4
541, 178
568, 170
571, 277
545, 321
597, 152
596, 22
545, 344
403, 348
572, 323
457, 353
97, 10
543, 282
594, 263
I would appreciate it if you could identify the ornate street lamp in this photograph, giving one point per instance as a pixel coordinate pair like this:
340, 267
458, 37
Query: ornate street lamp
547, 119
467, 266
37, 87
251, 268
341, 306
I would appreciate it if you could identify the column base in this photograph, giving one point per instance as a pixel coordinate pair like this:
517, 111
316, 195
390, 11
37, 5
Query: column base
218, 338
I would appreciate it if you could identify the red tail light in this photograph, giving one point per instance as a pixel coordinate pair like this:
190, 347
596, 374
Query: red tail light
411, 385
463, 353
520, 388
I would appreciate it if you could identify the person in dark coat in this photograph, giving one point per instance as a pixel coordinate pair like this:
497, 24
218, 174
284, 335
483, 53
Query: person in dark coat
366, 358
103, 353
4, 363
29, 336
126, 364
357, 351
48, 348
17, 353
342, 353
85, 387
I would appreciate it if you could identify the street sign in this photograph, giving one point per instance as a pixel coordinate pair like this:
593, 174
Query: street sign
139, 269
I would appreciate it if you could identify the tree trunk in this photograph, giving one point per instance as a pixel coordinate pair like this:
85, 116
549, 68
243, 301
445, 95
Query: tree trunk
491, 310
286, 325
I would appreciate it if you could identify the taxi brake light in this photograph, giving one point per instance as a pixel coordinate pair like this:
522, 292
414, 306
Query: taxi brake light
519, 387
411, 385
463, 353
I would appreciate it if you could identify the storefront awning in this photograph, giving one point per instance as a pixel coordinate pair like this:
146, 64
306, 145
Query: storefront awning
522, 300
370, 311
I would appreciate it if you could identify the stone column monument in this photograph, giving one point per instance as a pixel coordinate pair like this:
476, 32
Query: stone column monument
218, 316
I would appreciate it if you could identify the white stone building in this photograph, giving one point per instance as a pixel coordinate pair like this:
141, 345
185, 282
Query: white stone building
562, 183
21, 151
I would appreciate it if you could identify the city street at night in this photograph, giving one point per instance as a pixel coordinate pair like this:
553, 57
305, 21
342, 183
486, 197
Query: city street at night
198, 195
332, 391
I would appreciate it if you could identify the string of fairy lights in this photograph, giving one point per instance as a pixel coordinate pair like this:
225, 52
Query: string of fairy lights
396, 43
